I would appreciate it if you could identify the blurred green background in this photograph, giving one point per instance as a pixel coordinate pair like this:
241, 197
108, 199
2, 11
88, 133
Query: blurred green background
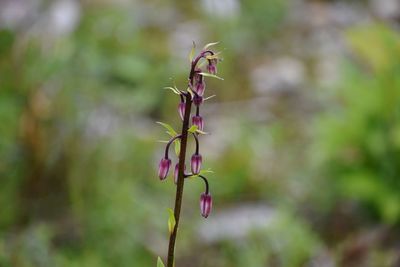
304, 143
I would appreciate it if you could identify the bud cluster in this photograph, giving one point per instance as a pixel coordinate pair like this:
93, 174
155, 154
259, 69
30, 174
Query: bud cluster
192, 125
194, 94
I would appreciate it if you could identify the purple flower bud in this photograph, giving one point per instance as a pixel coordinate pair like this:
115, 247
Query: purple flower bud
212, 69
212, 66
181, 109
195, 163
200, 87
205, 204
197, 100
198, 120
176, 171
163, 168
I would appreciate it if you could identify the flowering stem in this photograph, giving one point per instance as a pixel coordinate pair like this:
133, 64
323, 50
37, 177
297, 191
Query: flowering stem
182, 156
181, 177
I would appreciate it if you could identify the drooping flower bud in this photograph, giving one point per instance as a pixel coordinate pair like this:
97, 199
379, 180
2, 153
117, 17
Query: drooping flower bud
212, 66
200, 87
198, 121
176, 172
181, 109
163, 168
197, 100
195, 163
205, 204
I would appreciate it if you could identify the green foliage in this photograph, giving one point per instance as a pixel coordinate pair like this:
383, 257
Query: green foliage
359, 141
169, 128
192, 129
285, 241
177, 147
160, 262
77, 152
171, 221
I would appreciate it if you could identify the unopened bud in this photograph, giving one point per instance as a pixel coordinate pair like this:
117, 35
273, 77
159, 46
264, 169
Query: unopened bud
197, 100
195, 163
163, 168
205, 204
200, 87
212, 68
198, 121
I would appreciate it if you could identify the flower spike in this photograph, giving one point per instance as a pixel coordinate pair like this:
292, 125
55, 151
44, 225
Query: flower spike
192, 123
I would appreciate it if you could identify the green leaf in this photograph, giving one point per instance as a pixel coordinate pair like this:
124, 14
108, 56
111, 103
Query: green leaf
209, 97
171, 221
201, 132
209, 45
177, 146
175, 90
210, 75
192, 129
206, 171
191, 54
170, 131
160, 263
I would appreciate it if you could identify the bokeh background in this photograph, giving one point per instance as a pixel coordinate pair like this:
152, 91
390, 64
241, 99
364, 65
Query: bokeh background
304, 143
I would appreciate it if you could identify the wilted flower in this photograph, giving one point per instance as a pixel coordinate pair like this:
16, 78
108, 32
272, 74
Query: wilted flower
198, 121
205, 204
163, 168
195, 163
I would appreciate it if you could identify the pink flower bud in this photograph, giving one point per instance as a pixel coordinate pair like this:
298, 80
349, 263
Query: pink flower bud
200, 87
212, 69
176, 171
195, 163
163, 168
205, 204
197, 100
181, 109
198, 121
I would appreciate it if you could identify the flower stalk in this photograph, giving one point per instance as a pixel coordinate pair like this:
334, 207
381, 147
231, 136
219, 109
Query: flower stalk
194, 94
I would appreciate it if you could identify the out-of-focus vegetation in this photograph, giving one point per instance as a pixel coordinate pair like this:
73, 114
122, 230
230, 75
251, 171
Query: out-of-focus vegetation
305, 142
